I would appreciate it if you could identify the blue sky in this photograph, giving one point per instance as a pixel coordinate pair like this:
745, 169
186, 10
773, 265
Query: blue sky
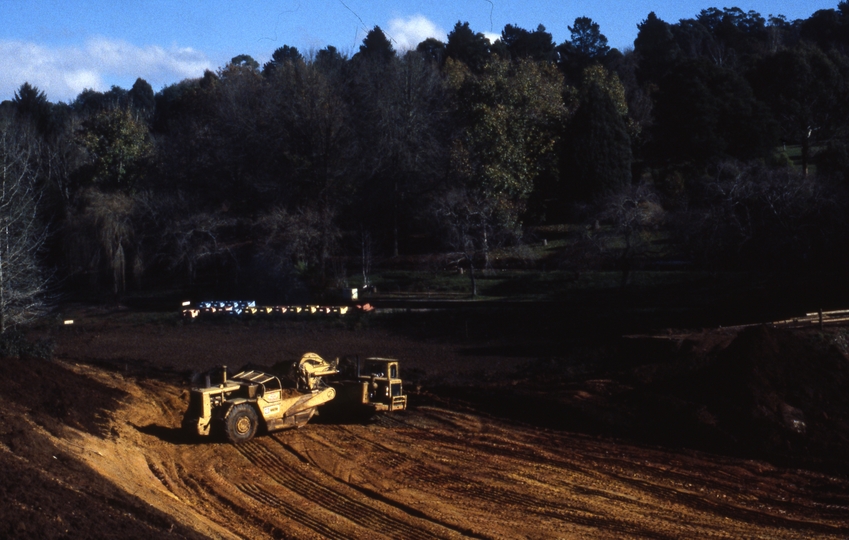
65, 46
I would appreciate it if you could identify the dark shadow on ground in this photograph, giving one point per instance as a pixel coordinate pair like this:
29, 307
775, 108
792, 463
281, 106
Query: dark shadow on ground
170, 435
518, 350
329, 415
763, 393
586, 315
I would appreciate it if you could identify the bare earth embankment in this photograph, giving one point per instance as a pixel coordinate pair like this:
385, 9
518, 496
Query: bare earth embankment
90, 445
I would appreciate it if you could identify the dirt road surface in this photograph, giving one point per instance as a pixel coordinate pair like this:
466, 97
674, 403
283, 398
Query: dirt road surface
431, 472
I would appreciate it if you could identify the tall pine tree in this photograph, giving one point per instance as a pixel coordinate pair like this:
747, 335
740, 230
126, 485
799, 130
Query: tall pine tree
597, 153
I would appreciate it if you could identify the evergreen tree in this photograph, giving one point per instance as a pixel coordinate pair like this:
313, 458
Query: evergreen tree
468, 47
245, 60
587, 46
376, 47
828, 28
141, 97
807, 92
280, 56
587, 39
432, 49
597, 146
31, 106
704, 111
329, 60
656, 49
520, 43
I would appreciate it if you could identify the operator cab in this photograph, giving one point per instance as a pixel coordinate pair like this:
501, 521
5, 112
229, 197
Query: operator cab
379, 368
385, 383
259, 384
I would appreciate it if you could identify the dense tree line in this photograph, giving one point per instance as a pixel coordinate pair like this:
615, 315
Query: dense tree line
267, 178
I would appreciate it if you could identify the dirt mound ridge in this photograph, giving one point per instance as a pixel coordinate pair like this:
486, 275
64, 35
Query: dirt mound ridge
55, 396
46, 491
777, 392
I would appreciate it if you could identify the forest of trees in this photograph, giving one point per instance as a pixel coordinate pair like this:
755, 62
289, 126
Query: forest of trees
729, 130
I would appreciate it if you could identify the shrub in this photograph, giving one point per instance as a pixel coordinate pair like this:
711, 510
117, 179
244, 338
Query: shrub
13, 343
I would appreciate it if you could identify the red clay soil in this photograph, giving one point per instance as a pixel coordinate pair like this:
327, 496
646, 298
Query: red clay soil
56, 396
710, 435
48, 492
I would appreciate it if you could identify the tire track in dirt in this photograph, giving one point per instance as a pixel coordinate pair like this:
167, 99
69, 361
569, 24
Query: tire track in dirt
395, 456
553, 488
413, 473
489, 487
714, 483
404, 457
648, 485
683, 488
442, 470
225, 505
372, 518
733, 511
398, 460
261, 495
714, 487
393, 464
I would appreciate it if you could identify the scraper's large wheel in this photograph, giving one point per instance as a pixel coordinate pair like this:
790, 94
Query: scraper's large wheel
241, 423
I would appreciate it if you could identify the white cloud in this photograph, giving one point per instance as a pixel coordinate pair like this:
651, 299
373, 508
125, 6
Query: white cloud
79, 80
407, 33
491, 36
63, 72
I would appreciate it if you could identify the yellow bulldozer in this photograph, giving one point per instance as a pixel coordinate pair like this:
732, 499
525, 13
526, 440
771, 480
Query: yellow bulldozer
250, 401
367, 387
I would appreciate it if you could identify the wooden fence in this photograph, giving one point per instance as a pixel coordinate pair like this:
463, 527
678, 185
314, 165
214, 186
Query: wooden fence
819, 318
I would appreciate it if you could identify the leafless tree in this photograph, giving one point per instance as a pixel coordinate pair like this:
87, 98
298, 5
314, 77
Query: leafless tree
751, 214
619, 233
198, 240
171, 235
302, 240
400, 115
470, 223
367, 254
23, 284
100, 238
317, 149
634, 212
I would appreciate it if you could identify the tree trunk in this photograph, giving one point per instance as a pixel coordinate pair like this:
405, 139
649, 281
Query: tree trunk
472, 277
806, 145
625, 263
2, 296
366, 260
485, 251
118, 273
395, 250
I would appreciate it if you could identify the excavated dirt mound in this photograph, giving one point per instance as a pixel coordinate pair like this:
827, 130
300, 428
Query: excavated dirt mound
423, 474
495, 445
772, 391
765, 393
46, 489
55, 396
